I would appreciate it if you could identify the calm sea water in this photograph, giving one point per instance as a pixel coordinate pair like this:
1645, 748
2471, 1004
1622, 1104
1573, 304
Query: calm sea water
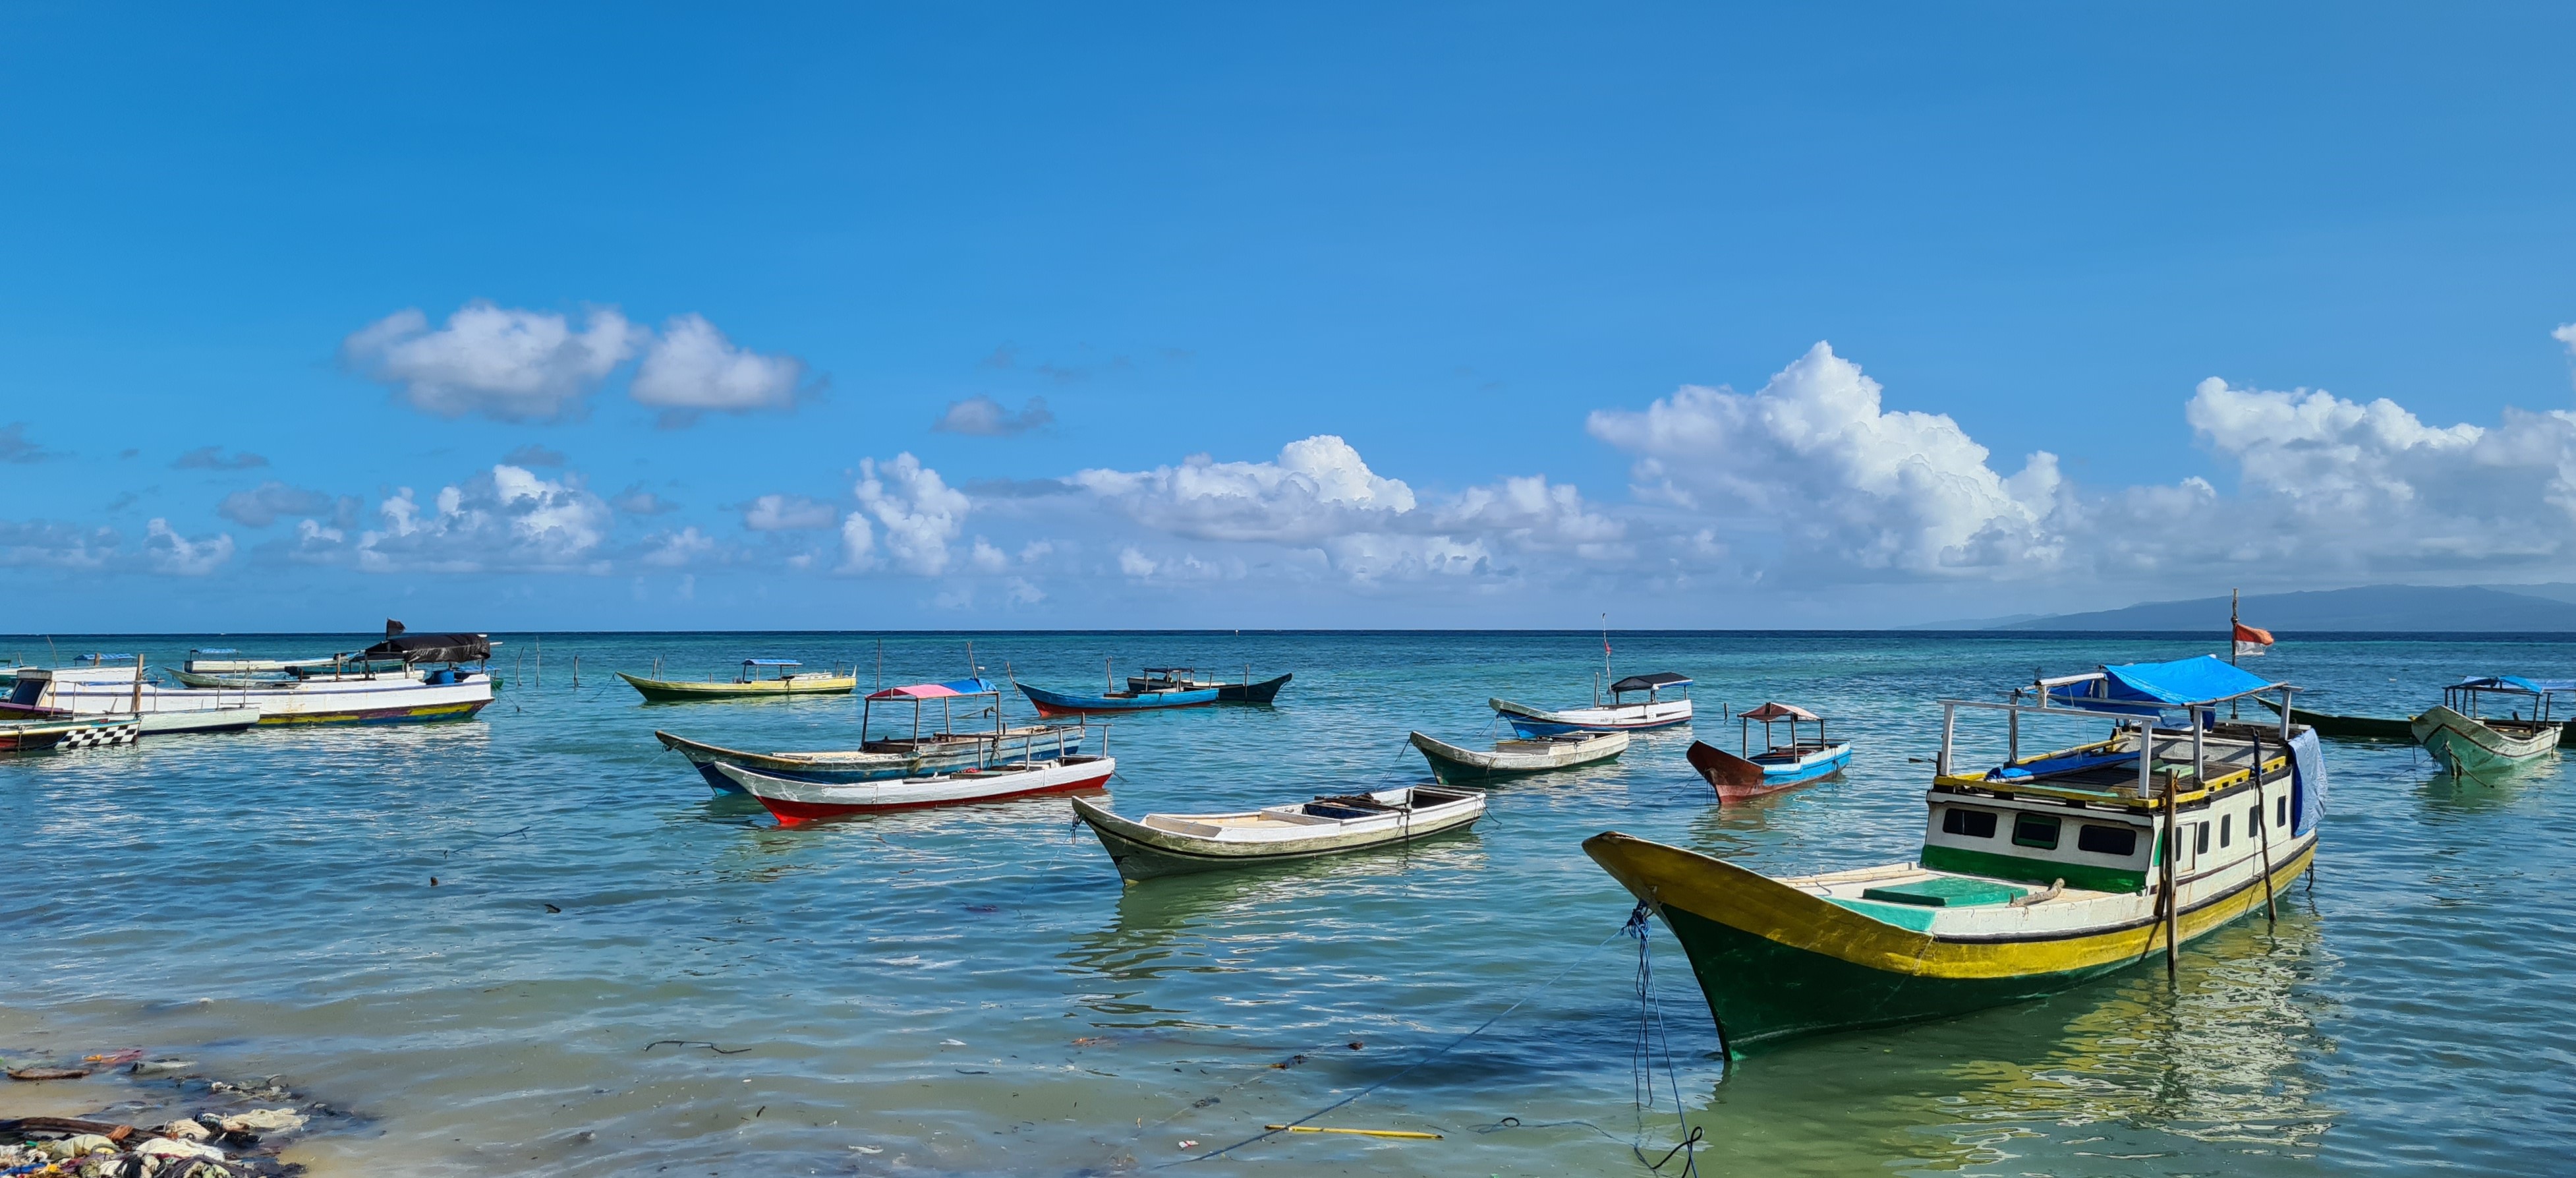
973, 991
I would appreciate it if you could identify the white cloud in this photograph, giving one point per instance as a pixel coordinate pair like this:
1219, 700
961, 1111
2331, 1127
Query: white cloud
691, 368
1134, 563
1022, 592
506, 363
918, 511
181, 556
1035, 551
1815, 457
789, 513
671, 550
53, 545
506, 518
1317, 487
986, 558
635, 500
982, 416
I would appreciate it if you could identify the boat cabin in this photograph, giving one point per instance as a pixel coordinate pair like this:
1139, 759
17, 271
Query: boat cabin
2470, 697
2088, 815
1774, 752
1654, 686
769, 670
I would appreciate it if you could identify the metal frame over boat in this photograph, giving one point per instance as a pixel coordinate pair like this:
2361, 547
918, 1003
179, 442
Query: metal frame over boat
1748, 774
1653, 712
2467, 742
750, 685
1451, 764
2039, 874
101, 689
1182, 844
1243, 691
945, 749
795, 802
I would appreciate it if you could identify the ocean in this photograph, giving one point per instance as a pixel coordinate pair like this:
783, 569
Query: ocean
620, 972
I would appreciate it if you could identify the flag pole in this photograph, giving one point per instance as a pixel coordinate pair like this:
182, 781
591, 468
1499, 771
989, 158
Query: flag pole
2232, 623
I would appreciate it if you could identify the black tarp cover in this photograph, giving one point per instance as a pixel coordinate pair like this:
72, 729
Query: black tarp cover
1648, 682
432, 648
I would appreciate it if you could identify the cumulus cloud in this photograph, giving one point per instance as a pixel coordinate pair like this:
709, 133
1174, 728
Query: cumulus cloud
1816, 457
918, 512
14, 446
1318, 487
789, 513
181, 556
56, 545
505, 363
987, 559
504, 519
691, 368
983, 417
671, 550
213, 458
266, 503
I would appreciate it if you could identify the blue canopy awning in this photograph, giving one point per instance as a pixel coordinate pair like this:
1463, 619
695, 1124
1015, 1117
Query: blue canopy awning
2181, 683
2517, 684
771, 663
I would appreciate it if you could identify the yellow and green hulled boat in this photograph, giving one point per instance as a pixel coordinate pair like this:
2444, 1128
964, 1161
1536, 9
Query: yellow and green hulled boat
760, 679
2037, 875
2467, 741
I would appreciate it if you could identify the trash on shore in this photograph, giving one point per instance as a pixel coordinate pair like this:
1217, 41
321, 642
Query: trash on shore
229, 1130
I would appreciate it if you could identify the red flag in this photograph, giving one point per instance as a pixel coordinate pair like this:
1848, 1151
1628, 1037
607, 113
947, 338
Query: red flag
2258, 637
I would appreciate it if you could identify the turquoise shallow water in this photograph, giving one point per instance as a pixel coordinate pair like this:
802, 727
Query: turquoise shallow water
974, 991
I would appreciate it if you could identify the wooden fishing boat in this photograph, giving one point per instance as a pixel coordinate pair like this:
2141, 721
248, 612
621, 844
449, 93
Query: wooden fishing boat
2349, 727
1748, 774
1153, 694
99, 688
2039, 874
796, 802
944, 749
67, 732
1243, 691
2466, 741
778, 681
1619, 715
1452, 764
396, 681
1179, 844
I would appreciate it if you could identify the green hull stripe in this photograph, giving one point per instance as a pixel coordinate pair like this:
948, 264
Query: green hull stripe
1762, 991
2038, 871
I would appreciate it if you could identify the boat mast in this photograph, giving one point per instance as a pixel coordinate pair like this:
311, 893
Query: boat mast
2232, 596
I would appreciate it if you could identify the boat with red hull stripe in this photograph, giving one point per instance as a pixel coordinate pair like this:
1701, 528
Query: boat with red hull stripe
795, 802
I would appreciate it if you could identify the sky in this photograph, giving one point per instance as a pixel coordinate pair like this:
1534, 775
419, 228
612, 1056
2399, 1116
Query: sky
636, 317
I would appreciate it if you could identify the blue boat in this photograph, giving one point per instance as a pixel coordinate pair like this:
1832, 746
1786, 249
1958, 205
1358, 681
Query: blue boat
1778, 766
1619, 716
1063, 703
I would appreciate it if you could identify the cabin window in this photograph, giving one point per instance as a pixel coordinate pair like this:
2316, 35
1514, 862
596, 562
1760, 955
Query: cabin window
2107, 840
2253, 819
2035, 830
2281, 811
2224, 822
2200, 838
1975, 824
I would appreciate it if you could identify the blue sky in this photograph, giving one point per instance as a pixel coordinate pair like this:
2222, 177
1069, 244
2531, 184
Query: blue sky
1475, 246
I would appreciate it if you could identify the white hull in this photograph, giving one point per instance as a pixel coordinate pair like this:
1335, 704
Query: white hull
800, 801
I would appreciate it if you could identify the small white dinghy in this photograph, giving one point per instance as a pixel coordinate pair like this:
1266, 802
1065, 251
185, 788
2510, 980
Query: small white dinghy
1178, 844
795, 802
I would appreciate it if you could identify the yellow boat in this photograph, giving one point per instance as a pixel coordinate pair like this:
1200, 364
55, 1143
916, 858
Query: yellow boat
751, 685
2038, 875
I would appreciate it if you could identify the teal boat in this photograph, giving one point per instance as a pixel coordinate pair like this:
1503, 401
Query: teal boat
2468, 742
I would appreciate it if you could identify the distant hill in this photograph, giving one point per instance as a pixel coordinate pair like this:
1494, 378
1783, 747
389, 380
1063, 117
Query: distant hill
2371, 607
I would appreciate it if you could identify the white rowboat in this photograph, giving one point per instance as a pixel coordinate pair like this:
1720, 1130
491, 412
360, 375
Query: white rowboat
1179, 844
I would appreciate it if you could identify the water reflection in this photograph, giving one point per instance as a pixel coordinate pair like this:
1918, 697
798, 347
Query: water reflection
2495, 789
2123, 1071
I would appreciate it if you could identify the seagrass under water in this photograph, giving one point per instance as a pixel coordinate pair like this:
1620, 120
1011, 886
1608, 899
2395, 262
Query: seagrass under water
973, 991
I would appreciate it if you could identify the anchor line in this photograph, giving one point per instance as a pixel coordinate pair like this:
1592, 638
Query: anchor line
1409, 1069
1653, 1040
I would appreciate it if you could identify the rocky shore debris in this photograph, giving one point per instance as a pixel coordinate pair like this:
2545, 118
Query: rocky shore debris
229, 1130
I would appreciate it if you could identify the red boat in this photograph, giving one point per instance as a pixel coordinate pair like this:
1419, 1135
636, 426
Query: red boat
1749, 774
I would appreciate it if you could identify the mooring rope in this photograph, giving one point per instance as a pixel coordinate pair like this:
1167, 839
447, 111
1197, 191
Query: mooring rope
1652, 1040
1409, 1068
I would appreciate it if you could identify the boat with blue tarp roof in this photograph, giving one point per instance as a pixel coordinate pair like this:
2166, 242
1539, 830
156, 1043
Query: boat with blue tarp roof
2460, 735
2038, 873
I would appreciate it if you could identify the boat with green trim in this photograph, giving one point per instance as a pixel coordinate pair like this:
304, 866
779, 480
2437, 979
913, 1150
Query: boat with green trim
1518, 756
779, 681
2350, 727
2039, 874
2466, 741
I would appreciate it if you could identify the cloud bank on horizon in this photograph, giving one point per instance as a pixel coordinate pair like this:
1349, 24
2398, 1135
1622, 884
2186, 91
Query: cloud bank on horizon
1809, 483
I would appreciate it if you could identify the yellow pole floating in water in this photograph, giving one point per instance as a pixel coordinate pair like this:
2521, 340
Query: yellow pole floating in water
1405, 1134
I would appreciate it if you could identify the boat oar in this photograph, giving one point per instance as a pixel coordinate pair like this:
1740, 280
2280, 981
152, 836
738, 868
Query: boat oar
1405, 1134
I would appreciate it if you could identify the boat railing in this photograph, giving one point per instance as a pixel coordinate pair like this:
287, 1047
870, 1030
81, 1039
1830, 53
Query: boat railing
2202, 713
991, 751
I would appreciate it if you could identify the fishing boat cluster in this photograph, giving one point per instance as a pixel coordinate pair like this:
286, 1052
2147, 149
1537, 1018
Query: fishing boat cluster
2133, 808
